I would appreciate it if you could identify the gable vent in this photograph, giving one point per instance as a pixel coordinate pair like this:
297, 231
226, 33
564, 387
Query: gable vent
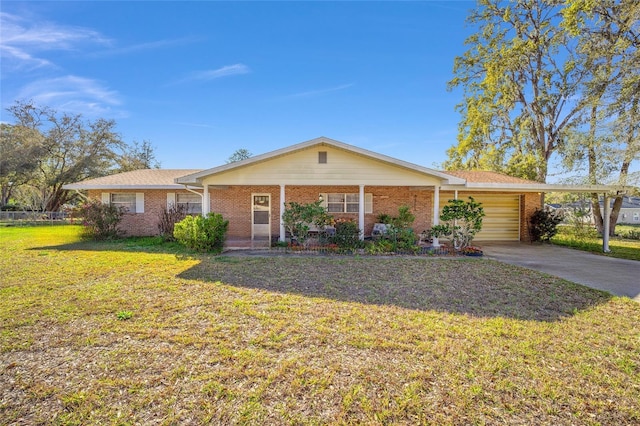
322, 157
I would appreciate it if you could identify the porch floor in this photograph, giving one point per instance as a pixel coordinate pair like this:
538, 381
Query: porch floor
246, 243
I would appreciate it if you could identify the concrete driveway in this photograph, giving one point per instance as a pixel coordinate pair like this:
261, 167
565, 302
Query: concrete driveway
617, 276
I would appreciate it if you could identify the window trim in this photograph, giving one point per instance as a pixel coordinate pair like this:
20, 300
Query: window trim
322, 157
193, 207
368, 202
130, 205
137, 204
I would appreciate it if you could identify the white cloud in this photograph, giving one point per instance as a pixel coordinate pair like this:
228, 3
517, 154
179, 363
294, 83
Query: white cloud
225, 71
152, 45
318, 92
21, 40
75, 95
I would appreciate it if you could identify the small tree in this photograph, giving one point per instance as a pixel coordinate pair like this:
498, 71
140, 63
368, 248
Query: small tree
298, 218
100, 220
462, 221
206, 234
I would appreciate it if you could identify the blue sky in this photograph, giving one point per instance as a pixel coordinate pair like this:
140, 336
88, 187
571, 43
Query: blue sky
200, 80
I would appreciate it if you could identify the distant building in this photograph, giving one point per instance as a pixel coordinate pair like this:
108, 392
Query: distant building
630, 210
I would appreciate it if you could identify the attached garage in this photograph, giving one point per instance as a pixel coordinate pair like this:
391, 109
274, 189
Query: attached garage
502, 220
502, 214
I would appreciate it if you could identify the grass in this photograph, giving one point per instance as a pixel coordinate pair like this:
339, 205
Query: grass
622, 248
301, 340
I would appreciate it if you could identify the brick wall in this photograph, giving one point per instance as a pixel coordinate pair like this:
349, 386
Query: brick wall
234, 204
528, 204
141, 224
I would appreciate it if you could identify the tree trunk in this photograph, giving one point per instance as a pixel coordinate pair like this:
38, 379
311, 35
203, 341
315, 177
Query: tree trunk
615, 212
597, 213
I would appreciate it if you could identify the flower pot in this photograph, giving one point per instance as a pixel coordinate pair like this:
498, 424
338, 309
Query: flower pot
474, 254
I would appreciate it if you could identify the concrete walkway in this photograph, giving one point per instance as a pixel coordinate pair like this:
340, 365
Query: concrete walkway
618, 276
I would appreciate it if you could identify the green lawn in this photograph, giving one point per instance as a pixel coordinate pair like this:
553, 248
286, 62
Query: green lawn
622, 248
301, 340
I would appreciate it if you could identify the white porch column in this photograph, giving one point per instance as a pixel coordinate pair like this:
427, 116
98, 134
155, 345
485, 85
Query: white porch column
361, 212
206, 200
282, 201
605, 228
436, 212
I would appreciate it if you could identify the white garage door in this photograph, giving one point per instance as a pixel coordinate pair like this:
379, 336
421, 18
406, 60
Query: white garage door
502, 215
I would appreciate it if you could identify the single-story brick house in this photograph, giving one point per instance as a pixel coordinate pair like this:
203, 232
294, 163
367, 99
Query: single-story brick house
252, 193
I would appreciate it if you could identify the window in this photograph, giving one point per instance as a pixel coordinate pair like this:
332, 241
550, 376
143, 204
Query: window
124, 200
322, 157
636, 216
342, 203
192, 202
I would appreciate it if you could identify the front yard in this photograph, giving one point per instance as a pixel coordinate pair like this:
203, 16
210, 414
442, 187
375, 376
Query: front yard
621, 247
130, 332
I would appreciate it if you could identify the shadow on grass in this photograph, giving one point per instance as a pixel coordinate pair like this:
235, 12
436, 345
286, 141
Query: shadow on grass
477, 287
132, 244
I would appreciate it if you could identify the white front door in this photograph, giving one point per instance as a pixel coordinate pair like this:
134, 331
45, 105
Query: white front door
261, 217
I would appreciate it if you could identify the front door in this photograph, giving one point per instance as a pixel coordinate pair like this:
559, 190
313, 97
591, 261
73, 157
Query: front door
261, 217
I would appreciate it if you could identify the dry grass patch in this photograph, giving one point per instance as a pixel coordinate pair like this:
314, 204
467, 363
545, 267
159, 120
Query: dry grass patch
289, 340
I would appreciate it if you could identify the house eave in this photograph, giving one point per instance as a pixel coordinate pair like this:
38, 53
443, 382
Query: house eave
534, 187
80, 187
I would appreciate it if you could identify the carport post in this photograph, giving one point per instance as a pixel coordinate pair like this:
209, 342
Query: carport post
436, 212
282, 207
206, 200
605, 227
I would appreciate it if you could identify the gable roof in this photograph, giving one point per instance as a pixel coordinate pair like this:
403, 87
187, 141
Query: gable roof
463, 180
196, 178
136, 179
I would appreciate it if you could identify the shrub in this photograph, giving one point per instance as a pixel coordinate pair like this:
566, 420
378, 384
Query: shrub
630, 234
379, 247
100, 221
168, 219
384, 218
404, 219
205, 234
462, 221
399, 231
405, 240
347, 236
544, 225
298, 218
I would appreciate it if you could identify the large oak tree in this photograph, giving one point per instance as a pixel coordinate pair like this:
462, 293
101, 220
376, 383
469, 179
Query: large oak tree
44, 149
520, 77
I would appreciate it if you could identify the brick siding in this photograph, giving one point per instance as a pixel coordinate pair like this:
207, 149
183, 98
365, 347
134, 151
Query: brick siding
234, 204
141, 224
529, 202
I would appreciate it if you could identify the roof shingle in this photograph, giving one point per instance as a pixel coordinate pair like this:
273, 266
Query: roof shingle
135, 178
482, 176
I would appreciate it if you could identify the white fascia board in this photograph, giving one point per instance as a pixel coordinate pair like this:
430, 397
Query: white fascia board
79, 186
196, 178
534, 187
